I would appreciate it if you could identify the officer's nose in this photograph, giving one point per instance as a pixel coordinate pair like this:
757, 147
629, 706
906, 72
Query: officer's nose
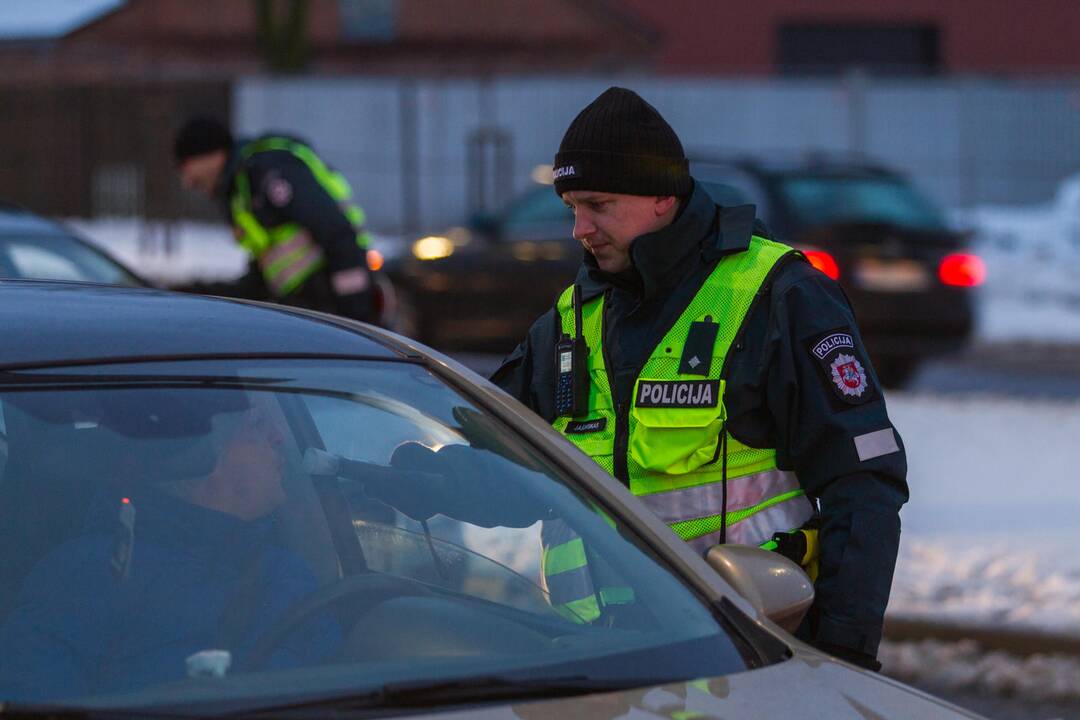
583, 225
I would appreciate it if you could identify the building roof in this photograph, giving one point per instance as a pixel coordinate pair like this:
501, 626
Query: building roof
50, 19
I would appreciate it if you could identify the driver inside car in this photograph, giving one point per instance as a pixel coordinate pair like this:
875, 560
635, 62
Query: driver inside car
182, 561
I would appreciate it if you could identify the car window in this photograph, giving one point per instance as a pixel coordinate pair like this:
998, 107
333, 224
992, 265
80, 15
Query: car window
822, 199
540, 208
256, 521
55, 257
729, 186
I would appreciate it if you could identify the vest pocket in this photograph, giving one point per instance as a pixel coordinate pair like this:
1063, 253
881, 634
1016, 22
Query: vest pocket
674, 441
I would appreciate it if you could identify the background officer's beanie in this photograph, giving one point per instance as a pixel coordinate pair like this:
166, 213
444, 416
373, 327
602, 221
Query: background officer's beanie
619, 143
201, 135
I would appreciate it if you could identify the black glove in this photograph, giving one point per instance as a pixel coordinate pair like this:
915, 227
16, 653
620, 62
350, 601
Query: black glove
458, 481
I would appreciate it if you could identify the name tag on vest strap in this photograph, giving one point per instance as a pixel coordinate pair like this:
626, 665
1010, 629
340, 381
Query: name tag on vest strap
586, 426
678, 393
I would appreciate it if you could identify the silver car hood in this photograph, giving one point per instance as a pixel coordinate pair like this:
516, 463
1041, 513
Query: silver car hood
809, 685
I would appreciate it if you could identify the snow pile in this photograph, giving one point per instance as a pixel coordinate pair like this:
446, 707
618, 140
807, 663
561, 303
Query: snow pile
168, 253
963, 666
1032, 256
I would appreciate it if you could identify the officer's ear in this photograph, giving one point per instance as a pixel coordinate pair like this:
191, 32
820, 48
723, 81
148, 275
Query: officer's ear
665, 204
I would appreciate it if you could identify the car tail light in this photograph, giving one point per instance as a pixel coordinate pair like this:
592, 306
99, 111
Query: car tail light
962, 270
374, 260
824, 262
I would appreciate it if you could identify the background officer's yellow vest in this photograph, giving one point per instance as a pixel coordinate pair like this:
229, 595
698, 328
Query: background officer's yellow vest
680, 459
287, 254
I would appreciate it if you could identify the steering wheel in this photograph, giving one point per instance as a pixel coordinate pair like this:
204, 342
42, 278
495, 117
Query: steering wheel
362, 592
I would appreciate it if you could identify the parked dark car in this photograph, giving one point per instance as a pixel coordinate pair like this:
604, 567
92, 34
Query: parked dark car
36, 248
907, 273
270, 512
480, 287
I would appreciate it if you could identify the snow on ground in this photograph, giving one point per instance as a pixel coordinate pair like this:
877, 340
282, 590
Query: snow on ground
963, 666
991, 530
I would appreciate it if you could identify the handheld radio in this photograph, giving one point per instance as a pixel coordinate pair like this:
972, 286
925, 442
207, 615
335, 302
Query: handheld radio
572, 368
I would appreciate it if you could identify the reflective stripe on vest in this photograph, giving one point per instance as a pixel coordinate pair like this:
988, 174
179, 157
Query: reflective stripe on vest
294, 255
674, 458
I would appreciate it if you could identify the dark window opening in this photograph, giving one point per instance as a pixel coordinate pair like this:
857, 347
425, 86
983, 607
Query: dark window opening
877, 48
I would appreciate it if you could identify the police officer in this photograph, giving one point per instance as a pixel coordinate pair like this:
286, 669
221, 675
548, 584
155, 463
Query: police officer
289, 210
716, 373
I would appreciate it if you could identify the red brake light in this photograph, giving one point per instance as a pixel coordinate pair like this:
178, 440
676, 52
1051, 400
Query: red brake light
824, 262
962, 270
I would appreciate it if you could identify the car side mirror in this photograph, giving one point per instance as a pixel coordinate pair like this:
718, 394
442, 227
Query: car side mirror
774, 585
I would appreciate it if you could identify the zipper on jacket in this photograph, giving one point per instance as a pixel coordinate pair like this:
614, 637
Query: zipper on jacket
622, 420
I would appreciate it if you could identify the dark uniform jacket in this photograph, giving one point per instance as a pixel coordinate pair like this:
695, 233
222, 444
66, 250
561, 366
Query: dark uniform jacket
779, 394
283, 190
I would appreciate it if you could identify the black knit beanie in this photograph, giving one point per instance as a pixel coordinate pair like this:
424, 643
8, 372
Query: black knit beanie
620, 144
200, 135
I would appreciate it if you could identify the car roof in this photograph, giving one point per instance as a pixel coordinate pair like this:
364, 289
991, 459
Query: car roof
48, 323
817, 162
15, 219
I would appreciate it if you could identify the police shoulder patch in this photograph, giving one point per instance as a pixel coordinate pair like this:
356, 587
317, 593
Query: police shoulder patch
843, 365
278, 190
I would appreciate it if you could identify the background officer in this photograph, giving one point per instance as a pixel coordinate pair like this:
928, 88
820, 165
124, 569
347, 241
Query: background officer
714, 372
289, 210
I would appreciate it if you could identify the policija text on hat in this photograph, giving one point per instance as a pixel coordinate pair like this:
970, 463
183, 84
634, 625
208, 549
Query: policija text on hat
716, 373
289, 210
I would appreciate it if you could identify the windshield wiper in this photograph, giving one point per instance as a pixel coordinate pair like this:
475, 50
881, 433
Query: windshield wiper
427, 694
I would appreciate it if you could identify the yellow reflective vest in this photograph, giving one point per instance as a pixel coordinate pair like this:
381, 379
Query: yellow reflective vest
287, 254
680, 459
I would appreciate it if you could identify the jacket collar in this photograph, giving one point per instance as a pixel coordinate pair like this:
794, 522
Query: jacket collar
227, 182
661, 260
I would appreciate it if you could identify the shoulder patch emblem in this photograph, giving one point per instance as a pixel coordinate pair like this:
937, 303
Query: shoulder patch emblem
278, 191
848, 375
843, 363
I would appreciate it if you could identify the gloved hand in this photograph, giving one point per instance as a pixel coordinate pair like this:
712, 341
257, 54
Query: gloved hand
422, 490
458, 481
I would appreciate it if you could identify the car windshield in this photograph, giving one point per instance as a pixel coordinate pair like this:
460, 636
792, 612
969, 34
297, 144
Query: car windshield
197, 534
822, 199
58, 257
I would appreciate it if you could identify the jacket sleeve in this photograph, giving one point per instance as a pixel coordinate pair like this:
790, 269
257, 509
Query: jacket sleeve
833, 430
528, 373
284, 190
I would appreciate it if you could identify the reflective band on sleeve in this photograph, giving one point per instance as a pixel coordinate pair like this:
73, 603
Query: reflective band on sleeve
580, 611
876, 444
569, 585
568, 556
347, 282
